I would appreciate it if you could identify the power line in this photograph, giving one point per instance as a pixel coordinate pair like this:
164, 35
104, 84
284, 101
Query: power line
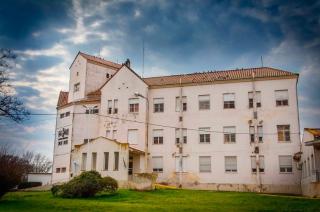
152, 124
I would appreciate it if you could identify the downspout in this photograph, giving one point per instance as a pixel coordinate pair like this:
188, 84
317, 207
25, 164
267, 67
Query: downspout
147, 132
256, 137
181, 137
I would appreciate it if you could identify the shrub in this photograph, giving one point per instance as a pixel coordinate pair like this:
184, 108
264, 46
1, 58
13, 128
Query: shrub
29, 185
109, 184
87, 184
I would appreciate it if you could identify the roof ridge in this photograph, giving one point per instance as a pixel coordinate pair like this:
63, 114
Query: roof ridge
99, 58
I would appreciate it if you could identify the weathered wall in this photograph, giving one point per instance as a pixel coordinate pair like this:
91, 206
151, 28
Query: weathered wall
79, 66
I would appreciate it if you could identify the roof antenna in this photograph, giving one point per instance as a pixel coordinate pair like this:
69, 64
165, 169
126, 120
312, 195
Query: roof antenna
261, 61
142, 57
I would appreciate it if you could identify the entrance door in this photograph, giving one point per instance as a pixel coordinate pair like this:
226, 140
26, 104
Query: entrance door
130, 165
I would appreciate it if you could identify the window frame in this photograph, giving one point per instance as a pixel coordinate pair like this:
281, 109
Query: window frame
76, 87
133, 107
157, 140
225, 165
282, 102
286, 167
228, 137
209, 170
157, 169
229, 104
204, 104
284, 134
204, 135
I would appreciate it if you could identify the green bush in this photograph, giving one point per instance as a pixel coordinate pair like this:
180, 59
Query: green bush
109, 184
87, 184
29, 185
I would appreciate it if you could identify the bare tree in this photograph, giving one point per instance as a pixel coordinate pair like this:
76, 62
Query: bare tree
38, 163
10, 106
12, 169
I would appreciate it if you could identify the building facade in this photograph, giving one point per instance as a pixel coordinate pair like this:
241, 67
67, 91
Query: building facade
310, 162
224, 130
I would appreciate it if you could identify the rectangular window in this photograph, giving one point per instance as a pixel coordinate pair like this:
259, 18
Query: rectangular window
57, 170
184, 135
94, 161
158, 136
65, 142
133, 136
205, 164
258, 99
254, 164
184, 103
204, 102
84, 162
76, 87
116, 161
63, 169
228, 100
204, 135
283, 133
282, 97
260, 134
285, 163
230, 163
95, 110
67, 114
157, 163
158, 105
114, 134
109, 106
134, 105
115, 106
106, 160
62, 115
229, 134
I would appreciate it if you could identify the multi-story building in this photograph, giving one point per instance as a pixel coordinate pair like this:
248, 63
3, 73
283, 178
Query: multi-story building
225, 130
310, 162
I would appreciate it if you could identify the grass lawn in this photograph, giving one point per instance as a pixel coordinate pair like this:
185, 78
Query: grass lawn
172, 200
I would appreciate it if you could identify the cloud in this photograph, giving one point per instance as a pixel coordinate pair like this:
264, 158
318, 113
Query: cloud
57, 50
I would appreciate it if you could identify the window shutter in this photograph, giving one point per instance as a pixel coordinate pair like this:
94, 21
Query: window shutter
204, 98
285, 161
229, 129
133, 136
205, 164
282, 95
157, 133
134, 101
228, 97
253, 162
158, 100
157, 162
231, 162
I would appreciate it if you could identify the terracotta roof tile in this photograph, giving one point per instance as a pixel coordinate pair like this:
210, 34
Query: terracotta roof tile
211, 76
313, 131
100, 60
63, 98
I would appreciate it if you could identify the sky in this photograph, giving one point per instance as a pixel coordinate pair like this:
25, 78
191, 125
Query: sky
179, 37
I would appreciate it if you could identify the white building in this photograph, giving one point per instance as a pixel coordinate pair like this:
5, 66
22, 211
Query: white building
210, 118
310, 162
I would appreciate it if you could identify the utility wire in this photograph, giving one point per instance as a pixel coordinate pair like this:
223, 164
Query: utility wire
152, 124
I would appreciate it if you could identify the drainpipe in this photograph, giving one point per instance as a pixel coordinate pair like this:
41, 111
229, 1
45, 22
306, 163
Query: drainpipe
146, 134
256, 136
181, 137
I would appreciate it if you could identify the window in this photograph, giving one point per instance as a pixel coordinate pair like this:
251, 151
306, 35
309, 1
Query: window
115, 106
204, 102
158, 105
65, 142
133, 136
67, 114
109, 106
57, 170
85, 141
229, 134
230, 163
77, 73
94, 161
63, 133
184, 135
95, 110
283, 133
285, 163
158, 136
76, 87
282, 97
184, 103
204, 135
62, 115
108, 133
254, 164
228, 100
84, 161
116, 161
157, 163
63, 169
260, 134
134, 105
107, 75
205, 164
114, 134
106, 160
59, 143
258, 99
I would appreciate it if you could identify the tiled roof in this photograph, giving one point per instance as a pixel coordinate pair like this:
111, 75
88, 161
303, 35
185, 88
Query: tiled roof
211, 76
100, 60
63, 98
313, 131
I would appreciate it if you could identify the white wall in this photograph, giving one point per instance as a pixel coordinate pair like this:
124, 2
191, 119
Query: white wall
44, 178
